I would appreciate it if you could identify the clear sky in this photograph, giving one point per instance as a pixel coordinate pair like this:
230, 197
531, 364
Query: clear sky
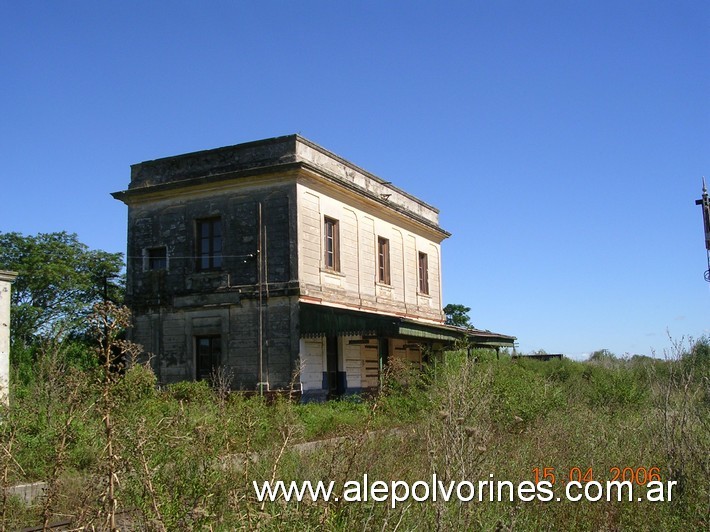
563, 141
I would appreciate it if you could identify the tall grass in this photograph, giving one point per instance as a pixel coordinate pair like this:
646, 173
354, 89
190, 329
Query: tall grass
187, 454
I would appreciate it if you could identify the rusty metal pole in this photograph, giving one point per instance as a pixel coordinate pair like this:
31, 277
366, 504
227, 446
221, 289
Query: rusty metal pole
705, 203
261, 302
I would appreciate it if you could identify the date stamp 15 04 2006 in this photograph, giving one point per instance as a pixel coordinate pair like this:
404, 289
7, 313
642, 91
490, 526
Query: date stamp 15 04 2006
581, 482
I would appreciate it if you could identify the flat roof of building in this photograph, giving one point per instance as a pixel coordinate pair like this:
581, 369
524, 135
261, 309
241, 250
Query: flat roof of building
270, 155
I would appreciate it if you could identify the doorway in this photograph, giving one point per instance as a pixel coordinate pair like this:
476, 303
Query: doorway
335, 386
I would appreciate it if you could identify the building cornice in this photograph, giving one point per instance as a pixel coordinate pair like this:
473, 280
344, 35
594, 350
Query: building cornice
187, 187
270, 156
380, 201
267, 175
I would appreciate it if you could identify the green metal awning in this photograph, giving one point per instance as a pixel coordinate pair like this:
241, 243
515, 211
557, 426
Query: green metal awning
430, 332
321, 320
487, 342
480, 338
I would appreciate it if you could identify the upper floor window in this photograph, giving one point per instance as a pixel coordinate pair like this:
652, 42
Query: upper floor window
423, 273
383, 260
156, 258
331, 256
209, 244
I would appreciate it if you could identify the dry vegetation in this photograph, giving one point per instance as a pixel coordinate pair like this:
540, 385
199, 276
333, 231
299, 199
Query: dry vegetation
118, 453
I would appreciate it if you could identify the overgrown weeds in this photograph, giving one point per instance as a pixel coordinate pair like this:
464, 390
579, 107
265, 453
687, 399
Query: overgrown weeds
187, 457
682, 402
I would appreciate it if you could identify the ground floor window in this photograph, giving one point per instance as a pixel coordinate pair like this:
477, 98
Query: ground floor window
208, 356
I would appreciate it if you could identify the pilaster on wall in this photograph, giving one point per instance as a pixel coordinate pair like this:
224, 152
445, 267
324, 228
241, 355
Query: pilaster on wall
6, 280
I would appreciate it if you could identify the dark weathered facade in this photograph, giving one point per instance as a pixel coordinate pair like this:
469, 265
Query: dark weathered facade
278, 262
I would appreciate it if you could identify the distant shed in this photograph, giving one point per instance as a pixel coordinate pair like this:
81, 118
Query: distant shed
544, 357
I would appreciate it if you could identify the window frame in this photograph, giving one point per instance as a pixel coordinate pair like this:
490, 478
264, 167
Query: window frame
151, 258
209, 258
423, 270
214, 355
331, 244
383, 261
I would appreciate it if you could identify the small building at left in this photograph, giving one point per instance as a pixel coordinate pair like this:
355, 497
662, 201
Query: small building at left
6, 280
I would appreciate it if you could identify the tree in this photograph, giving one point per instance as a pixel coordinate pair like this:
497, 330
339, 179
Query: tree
457, 315
59, 279
601, 355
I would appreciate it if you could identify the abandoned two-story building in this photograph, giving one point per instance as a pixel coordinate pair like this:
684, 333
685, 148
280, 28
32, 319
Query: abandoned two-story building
276, 262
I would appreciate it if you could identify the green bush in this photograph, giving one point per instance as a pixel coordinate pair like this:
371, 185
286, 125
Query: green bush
191, 391
80, 354
520, 392
612, 388
558, 370
138, 384
697, 359
406, 406
331, 418
22, 366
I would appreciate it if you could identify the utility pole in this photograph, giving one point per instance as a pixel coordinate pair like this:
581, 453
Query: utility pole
705, 203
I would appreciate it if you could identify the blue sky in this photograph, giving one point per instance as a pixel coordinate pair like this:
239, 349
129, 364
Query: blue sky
564, 142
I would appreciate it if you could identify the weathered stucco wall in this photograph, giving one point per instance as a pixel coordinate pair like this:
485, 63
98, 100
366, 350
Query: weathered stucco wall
356, 284
173, 305
171, 335
6, 280
349, 174
171, 222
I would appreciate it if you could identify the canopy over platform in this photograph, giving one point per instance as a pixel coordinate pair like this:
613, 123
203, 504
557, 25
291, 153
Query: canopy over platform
321, 320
